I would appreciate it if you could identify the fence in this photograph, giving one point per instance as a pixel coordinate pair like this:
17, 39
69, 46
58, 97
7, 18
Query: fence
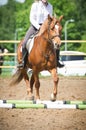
16, 42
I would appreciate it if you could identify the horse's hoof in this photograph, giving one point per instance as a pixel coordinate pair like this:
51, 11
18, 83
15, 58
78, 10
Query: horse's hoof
31, 98
38, 101
53, 97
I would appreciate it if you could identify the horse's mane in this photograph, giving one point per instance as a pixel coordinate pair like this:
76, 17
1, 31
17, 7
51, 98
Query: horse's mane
43, 28
50, 20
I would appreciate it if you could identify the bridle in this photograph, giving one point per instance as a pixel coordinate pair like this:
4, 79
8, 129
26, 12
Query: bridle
49, 31
50, 41
50, 38
55, 36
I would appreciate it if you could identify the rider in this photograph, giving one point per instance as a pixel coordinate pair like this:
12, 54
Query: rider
39, 12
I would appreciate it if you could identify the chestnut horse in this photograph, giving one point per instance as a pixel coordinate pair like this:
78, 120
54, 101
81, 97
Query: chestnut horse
42, 57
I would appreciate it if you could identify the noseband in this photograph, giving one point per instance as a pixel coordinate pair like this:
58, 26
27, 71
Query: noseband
55, 36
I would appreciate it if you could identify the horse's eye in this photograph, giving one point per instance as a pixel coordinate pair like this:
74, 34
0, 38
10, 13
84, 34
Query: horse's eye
52, 28
56, 26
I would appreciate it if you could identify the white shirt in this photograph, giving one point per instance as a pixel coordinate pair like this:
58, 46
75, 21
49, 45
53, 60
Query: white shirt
39, 13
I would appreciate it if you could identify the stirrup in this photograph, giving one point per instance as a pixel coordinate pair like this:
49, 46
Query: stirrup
20, 66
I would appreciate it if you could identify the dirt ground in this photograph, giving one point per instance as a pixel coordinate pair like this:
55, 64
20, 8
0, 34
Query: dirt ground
70, 88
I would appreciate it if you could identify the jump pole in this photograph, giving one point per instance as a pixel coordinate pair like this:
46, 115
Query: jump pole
66, 106
22, 106
31, 102
62, 102
42, 102
75, 102
18, 101
41, 106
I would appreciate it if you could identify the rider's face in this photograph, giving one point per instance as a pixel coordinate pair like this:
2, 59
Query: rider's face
44, 1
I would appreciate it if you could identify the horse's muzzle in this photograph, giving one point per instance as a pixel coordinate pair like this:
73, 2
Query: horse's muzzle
56, 45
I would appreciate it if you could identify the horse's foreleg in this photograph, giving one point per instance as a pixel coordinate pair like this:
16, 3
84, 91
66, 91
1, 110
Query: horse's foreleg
37, 85
55, 80
29, 89
32, 82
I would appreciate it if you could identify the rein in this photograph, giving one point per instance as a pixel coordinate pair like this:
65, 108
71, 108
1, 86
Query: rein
49, 40
47, 55
55, 36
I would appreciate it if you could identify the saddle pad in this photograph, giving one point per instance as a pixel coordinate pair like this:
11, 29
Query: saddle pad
29, 44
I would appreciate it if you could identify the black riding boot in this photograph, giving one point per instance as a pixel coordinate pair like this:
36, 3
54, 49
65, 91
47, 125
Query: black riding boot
24, 58
57, 58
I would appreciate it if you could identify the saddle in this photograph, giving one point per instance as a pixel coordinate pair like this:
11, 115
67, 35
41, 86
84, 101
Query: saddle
29, 44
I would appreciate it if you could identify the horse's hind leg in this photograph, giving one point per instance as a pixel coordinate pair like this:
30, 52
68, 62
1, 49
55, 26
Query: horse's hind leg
29, 89
55, 80
37, 85
32, 82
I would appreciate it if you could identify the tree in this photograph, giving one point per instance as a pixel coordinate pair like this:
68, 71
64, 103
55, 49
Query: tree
16, 15
7, 23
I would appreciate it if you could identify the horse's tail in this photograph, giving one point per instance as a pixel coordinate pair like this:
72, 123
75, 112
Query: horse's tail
16, 78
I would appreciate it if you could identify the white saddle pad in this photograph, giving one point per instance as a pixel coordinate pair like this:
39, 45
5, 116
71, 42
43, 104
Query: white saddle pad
30, 44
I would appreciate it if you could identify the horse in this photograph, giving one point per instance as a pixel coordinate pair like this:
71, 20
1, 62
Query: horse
42, 57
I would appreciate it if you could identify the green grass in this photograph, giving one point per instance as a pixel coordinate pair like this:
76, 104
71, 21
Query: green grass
6, 75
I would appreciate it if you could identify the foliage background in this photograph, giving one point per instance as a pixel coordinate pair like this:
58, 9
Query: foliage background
14, 16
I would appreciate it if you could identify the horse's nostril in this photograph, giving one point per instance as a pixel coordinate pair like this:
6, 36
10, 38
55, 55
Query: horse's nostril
57, 46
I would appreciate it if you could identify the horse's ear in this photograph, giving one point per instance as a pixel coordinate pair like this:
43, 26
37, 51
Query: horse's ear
49, 18
61, 17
